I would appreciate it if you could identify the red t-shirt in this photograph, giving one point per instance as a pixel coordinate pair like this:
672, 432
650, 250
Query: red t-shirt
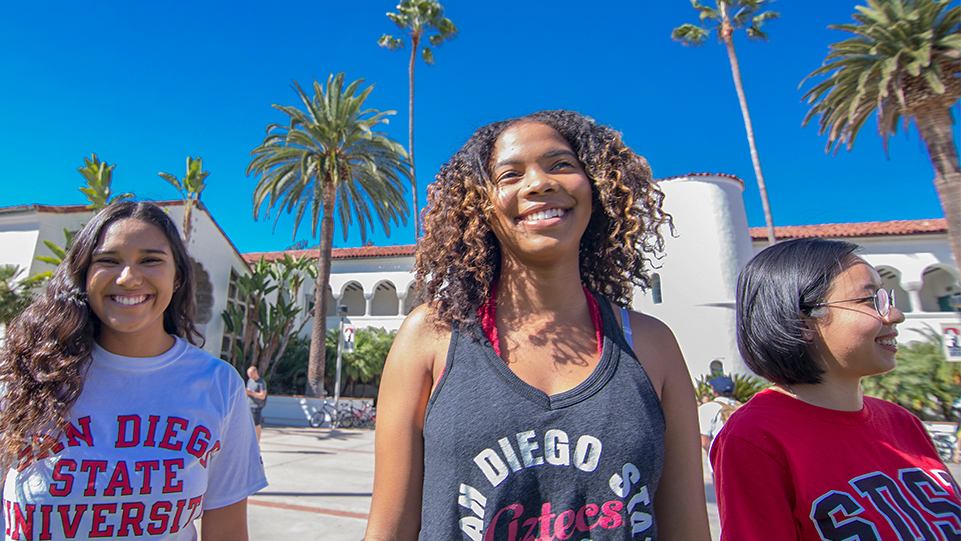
787, 470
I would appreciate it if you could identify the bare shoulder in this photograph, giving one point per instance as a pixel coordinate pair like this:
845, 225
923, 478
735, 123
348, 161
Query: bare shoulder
657, 350
649, 327
423, 323
421, 343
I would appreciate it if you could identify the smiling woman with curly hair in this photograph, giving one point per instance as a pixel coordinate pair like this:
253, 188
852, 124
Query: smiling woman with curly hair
522, 396
459, 256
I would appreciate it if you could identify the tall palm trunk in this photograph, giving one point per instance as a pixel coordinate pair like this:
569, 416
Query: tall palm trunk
414, 43
318, 337
726, 33
934, 124
188, 205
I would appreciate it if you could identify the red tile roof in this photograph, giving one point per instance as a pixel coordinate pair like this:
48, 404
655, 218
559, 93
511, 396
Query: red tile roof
725, 175
338, 253
862, 229
70, 209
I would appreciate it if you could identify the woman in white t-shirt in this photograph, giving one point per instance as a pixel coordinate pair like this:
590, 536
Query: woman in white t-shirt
114, 425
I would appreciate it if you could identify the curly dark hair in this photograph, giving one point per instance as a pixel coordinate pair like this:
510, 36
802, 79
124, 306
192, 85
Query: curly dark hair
459, 257
47, 349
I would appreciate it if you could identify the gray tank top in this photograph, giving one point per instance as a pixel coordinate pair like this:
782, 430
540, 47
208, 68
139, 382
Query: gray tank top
505, 461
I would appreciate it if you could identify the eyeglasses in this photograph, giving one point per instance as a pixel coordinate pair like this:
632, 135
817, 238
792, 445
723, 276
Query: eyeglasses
883, 301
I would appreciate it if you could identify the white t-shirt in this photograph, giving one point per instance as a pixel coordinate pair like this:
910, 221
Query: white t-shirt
708, 418
152, 443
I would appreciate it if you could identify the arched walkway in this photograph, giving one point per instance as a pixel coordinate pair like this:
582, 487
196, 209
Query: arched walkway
353, 298
939, 284
891, 279
384, 301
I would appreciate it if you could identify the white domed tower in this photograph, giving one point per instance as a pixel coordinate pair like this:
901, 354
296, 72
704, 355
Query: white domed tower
694, 282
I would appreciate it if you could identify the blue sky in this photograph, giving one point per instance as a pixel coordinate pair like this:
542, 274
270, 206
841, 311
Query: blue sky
146, 85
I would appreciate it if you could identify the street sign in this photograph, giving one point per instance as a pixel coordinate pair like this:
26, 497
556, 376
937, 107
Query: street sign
348, 339
951, 337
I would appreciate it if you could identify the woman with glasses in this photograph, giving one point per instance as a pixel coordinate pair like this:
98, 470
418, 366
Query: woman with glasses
811, 457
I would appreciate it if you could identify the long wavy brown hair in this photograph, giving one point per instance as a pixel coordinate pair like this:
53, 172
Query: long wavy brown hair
459, 257
47, 350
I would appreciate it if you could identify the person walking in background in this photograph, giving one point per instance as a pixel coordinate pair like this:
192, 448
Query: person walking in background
712, 415
256, 397
811, 458
114, 425
523, 397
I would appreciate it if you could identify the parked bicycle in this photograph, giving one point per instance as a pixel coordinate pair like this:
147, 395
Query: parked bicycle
362, 417
344, 415
328, 413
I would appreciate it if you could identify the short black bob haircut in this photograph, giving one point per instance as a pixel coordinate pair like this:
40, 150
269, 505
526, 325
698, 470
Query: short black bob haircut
777, 287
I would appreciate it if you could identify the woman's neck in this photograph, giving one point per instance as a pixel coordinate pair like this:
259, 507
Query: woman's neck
830, 394
538, 291
135, 344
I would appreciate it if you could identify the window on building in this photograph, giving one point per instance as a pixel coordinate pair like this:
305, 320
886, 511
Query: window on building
656, 288
717, 368
234, 336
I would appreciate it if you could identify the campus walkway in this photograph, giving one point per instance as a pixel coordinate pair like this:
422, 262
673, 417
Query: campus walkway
320, 484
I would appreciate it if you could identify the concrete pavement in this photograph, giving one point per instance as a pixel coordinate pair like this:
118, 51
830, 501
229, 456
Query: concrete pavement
321, 480
320, 485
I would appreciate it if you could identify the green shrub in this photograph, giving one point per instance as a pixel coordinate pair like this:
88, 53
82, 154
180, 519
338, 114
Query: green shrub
923, 383
745, 386
289, 375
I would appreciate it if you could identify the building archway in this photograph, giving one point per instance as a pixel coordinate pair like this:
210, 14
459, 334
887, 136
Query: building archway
353, 298
411, 298
891, 279
939, 284
384, 302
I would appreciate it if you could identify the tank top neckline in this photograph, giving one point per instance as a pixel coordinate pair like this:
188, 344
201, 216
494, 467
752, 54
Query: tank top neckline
593, 383
487, 316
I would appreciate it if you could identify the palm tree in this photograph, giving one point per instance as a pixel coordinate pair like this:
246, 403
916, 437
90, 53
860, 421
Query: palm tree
729, 16
418, 18
330, 158
190, 189
15, 293
99, 176
903, 62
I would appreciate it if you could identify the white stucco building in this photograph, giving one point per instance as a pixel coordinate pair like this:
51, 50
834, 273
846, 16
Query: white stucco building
913, 258
215, 259
694, 280
696, 277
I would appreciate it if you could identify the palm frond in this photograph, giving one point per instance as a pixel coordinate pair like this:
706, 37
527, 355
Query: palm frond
894, 64
691, 35
331, 139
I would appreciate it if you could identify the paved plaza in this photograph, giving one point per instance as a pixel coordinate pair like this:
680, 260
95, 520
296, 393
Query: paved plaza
320, 485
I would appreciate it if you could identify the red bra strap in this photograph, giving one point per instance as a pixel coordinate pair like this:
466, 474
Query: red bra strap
488, 324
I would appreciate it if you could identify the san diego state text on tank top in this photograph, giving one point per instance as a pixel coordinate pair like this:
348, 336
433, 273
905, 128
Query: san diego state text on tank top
505, 461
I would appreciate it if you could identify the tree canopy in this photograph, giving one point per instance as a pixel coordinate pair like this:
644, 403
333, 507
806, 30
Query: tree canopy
329, 157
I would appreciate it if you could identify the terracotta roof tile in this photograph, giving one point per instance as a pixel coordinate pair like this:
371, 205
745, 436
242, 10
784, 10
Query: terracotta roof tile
70, 209
862, 229
725, 175
338, 253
